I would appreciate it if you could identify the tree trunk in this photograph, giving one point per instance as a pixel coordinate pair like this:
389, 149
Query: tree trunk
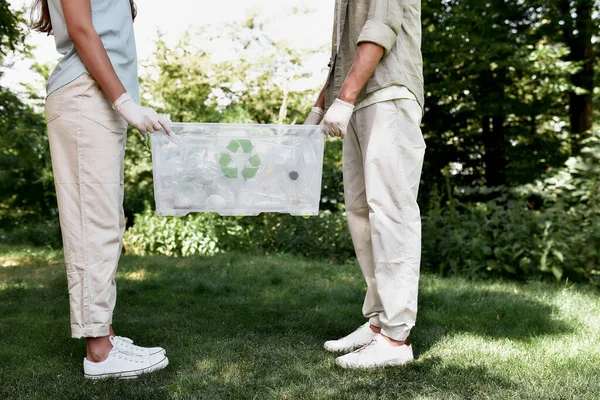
494, 131
495, 151
577, 33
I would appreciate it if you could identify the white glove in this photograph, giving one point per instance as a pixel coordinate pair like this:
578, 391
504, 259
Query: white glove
337, 118
145, 119
315, 117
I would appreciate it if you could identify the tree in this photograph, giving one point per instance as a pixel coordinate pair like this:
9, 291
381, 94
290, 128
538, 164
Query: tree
578, 28
254, 86
496, 91
12, 33
26, 188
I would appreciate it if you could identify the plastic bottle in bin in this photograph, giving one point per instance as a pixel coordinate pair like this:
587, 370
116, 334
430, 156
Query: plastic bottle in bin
188, 195
238, 170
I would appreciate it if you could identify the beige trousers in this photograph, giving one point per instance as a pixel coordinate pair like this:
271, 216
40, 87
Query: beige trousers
87, 145
383, 158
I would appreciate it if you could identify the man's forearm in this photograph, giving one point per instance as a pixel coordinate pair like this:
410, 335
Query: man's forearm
365, 62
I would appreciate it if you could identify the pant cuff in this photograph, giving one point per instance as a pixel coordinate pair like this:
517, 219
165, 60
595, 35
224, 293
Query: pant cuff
375, 321
400, 333
78, 332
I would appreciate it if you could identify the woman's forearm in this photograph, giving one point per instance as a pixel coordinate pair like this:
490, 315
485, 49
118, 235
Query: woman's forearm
321, 99
92, 52
78, 17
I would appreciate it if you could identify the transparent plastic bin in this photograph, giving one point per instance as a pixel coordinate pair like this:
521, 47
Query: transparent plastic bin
238, 170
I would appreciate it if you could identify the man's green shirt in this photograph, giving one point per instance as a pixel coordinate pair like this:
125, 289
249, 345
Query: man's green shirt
394, 25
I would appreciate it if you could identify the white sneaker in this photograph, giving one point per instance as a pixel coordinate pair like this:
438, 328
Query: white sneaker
356, 339
378, 353
124, 365
126, 345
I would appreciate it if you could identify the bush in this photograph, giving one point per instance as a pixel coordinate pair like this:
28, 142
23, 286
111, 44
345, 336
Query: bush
322, 237
31, 230
332, 192
512, 240
550, 228
556, 236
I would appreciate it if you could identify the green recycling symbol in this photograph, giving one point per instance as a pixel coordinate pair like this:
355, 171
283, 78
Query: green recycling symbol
226, 160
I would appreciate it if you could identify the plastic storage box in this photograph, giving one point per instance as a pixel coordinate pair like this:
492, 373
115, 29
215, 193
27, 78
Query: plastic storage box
238, 169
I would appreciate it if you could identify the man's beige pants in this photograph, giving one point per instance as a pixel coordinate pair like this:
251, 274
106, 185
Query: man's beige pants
87, 144
383, 158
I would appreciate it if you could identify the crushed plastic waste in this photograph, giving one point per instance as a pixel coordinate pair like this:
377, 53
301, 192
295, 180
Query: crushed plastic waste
238, 170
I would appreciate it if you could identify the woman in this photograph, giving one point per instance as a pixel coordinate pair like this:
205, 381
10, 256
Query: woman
87, 144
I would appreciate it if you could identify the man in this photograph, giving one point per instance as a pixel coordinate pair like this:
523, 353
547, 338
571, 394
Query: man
374, 95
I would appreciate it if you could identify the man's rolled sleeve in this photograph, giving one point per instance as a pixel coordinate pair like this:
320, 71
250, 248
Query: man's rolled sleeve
378, 33
383, 25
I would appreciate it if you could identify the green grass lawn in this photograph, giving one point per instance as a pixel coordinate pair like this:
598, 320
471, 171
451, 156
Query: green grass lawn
246, 327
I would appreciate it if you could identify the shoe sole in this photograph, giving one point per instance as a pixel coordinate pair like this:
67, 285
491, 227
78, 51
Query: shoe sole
131, 374
390, 363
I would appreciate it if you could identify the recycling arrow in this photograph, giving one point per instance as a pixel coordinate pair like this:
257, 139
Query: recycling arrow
239, 147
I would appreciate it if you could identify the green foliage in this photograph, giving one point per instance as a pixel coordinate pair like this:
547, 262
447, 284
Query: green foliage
172, 236
25, 172
27, 201
30, 229
499, 80
499, 77
257, 86
12, 32
139, 186
512, 240
254, 86
323, 237
332, 192
550, 228
27, 205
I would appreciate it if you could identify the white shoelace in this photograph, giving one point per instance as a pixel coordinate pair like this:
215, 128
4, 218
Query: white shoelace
127, 357
124, 339
127, 344
119, 345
